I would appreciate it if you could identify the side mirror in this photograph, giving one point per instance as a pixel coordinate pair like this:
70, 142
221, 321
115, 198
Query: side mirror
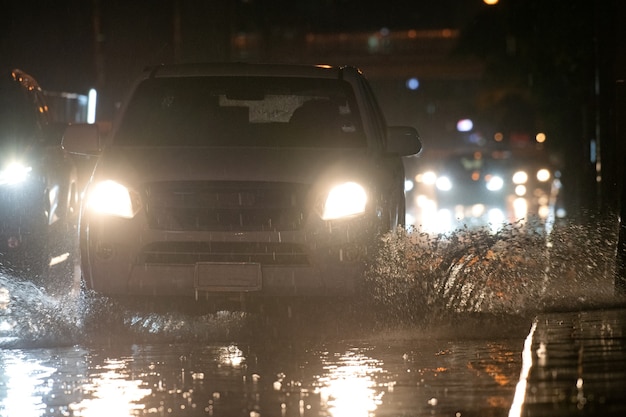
82, 139
403, 140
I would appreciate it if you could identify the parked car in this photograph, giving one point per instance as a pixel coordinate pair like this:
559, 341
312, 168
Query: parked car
37, 183
232, 179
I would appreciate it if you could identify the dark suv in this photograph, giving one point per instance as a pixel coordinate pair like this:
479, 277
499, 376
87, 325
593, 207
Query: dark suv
226, 179
38, 195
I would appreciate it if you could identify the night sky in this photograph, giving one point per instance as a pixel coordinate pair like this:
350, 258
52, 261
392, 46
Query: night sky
550, 53
55, 40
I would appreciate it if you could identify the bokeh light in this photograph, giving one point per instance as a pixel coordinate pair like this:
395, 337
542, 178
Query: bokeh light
464, 125
412, 83
540, 138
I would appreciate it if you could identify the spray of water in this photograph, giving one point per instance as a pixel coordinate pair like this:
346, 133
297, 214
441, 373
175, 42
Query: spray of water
519, 269
31, 317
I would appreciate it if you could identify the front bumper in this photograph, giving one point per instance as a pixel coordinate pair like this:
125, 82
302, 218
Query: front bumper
127, 257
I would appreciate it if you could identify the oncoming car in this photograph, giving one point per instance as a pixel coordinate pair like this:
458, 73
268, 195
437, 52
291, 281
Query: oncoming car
38, 195
485, 188
232, 179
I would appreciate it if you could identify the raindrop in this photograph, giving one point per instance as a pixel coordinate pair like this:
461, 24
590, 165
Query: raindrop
197, 375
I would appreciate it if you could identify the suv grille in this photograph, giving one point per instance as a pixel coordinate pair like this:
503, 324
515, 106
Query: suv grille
225, 206
184, 253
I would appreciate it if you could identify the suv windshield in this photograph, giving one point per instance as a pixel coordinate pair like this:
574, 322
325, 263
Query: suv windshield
238, 111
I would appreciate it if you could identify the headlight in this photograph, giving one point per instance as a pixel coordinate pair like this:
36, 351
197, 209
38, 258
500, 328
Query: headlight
14, 173
343, 200
495, 183
443, 183
543, 175
112, 198
520, 177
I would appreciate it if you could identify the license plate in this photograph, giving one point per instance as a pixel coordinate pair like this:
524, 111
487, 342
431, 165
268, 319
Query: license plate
228, 276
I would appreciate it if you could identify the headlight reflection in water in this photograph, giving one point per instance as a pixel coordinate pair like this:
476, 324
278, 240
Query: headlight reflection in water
111, 392
349, 386
25, 382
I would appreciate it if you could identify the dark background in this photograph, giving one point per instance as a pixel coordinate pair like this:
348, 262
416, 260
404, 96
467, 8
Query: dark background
519, 67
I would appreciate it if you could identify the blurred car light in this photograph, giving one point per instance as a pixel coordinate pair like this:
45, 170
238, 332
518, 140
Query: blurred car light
428, 177
343, 200
14, 173
520, 208
496, 217
464, 125
543, 175
520, 177
478, 210
520, 190
443, 183
495, 183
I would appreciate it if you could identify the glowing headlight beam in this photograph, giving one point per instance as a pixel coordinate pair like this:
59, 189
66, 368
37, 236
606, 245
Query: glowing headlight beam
110, 197
343, 200
14, 173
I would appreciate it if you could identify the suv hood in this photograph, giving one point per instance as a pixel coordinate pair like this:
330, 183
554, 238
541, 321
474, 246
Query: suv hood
133, 166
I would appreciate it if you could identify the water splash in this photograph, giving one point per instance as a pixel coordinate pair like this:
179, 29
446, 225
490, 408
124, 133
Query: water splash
155, 320
31, 317
519, 269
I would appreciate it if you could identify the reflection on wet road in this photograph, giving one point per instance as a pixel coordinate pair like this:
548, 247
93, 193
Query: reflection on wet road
575, 365
570, 364
410, 374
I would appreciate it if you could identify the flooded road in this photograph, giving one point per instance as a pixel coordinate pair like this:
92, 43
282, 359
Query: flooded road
482, 333
338, 378
571, 363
